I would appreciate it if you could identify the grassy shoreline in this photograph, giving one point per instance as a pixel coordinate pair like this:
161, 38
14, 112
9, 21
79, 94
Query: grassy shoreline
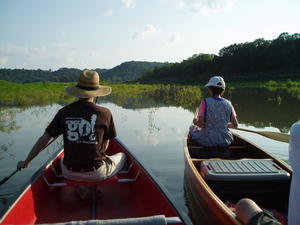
44, 93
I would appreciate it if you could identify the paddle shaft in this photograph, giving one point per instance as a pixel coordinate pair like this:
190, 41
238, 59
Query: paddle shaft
13, 173
6, 178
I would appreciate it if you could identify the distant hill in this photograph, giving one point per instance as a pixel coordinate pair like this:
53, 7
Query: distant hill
250, 61
126, 71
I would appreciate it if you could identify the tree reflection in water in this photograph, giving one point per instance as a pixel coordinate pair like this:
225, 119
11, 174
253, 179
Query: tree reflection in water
7, 119
259, 107
4, 151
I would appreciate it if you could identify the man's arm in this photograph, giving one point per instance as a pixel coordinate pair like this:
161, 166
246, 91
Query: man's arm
105, 144
40, 144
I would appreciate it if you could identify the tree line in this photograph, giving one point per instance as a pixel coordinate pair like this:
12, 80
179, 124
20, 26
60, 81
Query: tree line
126, 71
250, 61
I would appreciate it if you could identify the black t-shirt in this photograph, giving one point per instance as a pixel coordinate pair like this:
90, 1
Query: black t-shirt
84, 126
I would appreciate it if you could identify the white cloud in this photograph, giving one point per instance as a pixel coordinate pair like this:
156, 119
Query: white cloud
108, 12
175, 37
129, 3
145, 32
43, 57
205, 7
3, 60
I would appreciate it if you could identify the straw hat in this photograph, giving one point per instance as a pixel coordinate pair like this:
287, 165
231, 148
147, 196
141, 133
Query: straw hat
88, 86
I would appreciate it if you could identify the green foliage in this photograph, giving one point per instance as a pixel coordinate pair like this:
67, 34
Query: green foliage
185, 72
129, 95
128, 71
292, 87
42, 93
125, 72
29, 76
260, 60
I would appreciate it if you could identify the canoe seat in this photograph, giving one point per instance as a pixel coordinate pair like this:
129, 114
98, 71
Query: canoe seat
118, 178
149, 220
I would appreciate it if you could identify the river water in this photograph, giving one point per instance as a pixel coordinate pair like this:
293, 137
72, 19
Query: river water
152, 132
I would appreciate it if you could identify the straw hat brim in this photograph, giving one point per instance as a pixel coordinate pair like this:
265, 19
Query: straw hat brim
81, 93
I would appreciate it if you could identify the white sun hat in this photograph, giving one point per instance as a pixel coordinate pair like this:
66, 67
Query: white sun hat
216, 81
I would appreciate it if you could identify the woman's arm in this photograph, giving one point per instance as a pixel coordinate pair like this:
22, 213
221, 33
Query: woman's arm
233, 122
200, 115
199, 121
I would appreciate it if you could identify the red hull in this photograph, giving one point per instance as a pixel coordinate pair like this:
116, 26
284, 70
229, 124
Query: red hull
40, 203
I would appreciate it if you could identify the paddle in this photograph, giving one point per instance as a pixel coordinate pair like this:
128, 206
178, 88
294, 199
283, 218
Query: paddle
269, 134
13, 173
6, 178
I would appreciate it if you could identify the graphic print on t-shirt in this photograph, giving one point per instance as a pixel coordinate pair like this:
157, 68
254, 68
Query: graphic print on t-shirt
80, 130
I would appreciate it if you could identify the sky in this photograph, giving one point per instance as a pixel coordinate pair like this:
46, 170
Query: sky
51, 34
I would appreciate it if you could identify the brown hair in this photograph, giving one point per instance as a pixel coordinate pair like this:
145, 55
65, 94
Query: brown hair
216, 90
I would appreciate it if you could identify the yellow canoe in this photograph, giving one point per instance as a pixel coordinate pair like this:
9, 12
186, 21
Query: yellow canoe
212, 184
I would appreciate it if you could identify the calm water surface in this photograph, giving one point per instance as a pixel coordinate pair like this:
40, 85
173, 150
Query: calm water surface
154, 134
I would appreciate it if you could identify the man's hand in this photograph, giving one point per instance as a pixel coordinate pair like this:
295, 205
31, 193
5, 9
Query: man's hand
22, 165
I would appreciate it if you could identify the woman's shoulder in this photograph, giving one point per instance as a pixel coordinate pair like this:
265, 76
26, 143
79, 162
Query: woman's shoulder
226, 100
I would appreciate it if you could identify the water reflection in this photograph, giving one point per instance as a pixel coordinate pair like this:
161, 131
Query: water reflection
7, 119
258, 107
264, 108
4, 151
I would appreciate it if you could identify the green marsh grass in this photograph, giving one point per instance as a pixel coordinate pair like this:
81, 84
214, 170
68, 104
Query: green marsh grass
44, 93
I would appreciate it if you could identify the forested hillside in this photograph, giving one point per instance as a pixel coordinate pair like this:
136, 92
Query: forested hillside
128, 71
251, 61
124, 72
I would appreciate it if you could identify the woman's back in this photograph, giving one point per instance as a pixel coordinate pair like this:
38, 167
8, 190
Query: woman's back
217, 115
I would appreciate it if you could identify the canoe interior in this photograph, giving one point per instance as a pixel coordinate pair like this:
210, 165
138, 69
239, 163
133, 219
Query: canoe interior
266, 193
40, 203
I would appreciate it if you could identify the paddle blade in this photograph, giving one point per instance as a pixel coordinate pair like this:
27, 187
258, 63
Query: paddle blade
269, 134
276, 136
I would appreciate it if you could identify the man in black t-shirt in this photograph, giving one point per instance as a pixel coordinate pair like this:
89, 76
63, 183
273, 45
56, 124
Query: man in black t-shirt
87, 129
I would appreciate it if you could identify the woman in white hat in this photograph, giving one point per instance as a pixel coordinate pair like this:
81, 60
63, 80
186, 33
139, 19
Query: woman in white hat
215, 115
87, 129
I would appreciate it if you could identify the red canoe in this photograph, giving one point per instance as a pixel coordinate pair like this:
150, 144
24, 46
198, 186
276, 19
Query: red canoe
131, 197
